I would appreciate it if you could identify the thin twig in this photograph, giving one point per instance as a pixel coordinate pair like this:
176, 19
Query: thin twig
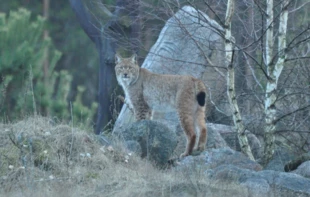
32, 91
71, 128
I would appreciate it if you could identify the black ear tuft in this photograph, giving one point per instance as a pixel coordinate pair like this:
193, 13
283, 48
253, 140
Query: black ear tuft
134, 58
201, 98
118, 58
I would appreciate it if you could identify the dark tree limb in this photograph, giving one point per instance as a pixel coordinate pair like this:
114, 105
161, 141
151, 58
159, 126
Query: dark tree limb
86, 21
115, 34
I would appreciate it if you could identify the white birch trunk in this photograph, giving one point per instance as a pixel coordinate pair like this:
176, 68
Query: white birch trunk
274, 71
243, 141
269, 34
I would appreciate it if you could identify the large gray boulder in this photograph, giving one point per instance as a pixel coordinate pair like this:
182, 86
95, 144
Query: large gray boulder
230, 135
243, 182
230, 173
215, 138
303, 169
215, 157
182, 47
149, 139
281, 157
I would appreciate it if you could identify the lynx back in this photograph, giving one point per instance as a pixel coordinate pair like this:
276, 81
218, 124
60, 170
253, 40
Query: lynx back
147, 92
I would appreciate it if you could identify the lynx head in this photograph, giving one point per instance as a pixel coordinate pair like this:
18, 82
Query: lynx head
126, 69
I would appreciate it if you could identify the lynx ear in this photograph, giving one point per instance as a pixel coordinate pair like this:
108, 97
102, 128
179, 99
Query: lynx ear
134, 58
118, 58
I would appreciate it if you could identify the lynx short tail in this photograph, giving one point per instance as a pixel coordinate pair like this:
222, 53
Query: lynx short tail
201, 98
201, 93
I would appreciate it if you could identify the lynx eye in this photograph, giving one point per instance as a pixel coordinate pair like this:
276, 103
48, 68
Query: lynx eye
119, 69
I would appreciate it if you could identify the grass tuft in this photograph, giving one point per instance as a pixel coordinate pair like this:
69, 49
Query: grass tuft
39, 157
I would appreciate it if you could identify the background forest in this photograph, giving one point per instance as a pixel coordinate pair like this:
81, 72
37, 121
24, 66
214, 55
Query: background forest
46, 62
57, 67
49, 66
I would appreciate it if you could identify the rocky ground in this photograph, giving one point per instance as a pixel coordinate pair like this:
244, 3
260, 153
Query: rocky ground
41, 157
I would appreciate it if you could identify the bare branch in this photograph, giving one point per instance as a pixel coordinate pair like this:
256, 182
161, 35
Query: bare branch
292, 112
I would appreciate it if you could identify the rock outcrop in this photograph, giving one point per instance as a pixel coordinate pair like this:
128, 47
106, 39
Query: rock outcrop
303, 169
237, 181
183, 46
230, 173
216, 157
149, 139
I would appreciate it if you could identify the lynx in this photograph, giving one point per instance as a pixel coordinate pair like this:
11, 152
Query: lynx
146, 92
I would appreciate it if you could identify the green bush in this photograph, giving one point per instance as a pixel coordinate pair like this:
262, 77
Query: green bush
27, 85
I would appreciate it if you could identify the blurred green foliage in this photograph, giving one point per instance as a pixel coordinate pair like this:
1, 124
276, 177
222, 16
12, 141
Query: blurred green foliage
27, 87
72, 80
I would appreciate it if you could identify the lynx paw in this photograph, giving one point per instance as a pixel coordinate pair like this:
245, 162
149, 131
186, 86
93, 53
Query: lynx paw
200, 148
196, 152
183, 155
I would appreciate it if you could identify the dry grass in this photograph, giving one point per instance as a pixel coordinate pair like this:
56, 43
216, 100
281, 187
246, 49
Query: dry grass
39, 157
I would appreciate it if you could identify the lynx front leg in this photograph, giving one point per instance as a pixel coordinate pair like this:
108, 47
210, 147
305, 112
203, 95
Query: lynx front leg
141, 112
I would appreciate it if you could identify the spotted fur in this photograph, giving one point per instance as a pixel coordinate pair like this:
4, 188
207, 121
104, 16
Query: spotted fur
147, 92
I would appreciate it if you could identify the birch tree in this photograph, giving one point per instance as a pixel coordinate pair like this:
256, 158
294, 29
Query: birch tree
276, 102
273, 71
243, 141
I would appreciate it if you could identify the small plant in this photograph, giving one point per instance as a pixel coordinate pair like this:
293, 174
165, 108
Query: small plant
81, 113
22, 52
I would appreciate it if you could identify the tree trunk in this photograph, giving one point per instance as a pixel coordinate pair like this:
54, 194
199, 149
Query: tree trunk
113, 37
231, 83
269, 34
273, 70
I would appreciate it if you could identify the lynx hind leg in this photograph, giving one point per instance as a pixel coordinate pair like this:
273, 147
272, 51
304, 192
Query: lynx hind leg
187, 123
201, 124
